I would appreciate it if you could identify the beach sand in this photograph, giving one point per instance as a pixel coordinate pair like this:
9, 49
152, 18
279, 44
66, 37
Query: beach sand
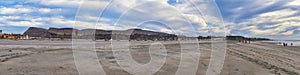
34, 57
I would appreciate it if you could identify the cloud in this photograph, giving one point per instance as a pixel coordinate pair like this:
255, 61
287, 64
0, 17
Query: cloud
47, 10
294, 3
254, 30
272, 23
267, 18
59, 3
242, 17
163, 13
279, 13
288, 33
17, 10
19, 21
5, 10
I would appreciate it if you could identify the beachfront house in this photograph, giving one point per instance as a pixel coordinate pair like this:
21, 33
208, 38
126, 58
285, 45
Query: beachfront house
24, 37
15, 36
11, 36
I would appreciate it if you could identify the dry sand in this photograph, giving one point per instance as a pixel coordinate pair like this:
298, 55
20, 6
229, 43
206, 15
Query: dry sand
34, 57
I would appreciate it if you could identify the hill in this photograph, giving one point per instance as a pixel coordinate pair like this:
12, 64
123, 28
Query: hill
135, 34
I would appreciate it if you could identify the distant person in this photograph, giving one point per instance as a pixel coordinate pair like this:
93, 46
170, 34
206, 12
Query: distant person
285, 44
291, 44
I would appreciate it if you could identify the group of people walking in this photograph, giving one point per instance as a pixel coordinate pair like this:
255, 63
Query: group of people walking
245, 41
286, 44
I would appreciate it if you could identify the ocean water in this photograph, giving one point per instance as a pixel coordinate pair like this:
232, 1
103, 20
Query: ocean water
295, 42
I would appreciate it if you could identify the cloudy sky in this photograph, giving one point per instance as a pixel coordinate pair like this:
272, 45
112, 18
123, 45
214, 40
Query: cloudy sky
276, 19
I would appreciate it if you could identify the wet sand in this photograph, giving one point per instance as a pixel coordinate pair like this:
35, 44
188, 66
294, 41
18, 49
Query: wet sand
34, 57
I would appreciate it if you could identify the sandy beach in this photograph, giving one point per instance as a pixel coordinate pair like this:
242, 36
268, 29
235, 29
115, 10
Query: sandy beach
43, 57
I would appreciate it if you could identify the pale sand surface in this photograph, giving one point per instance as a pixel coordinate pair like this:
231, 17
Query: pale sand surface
34, 57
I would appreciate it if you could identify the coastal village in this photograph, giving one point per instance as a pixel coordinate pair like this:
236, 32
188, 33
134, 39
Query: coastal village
34, 33
13, 36
137, 34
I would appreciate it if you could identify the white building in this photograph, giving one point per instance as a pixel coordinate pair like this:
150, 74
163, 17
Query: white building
24, 37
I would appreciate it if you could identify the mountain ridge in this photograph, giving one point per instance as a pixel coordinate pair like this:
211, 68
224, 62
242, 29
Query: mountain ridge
98, 33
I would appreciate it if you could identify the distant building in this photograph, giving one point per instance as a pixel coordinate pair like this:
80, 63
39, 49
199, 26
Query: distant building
1, 34
11, 36
15, 36
24, 37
